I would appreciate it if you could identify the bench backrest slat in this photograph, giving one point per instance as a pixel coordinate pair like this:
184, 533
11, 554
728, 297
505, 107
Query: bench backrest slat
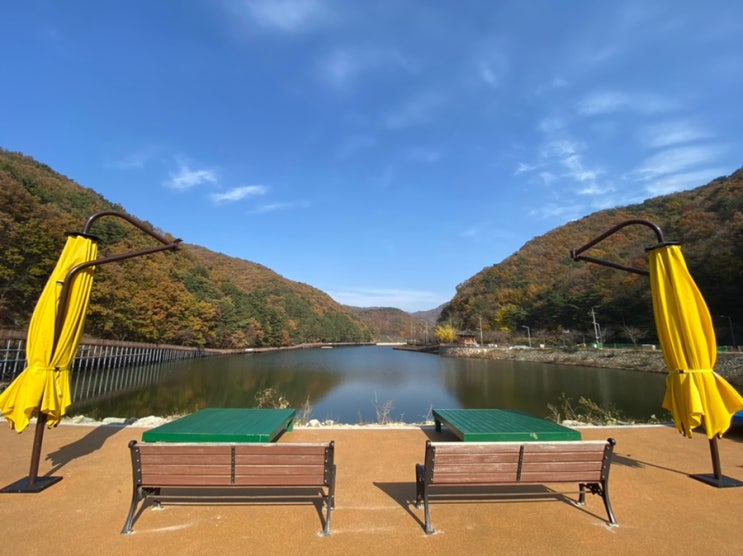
509, 462
174, 464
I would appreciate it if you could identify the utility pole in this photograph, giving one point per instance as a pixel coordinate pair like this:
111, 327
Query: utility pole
481, 343
596, 328
732, 332
528, 333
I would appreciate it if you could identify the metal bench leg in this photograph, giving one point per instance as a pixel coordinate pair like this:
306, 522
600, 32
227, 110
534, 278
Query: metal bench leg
607, 502
136, 497
427, 512
582, 498
329, 503
602, 489
419, 474
421, 493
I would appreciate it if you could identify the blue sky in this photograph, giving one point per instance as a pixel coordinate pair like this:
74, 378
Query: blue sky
381, 151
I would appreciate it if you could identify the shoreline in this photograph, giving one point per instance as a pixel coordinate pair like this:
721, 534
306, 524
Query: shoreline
729, 364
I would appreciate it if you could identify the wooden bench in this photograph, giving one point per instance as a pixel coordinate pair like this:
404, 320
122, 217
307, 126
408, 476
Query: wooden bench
201, 469
450, 464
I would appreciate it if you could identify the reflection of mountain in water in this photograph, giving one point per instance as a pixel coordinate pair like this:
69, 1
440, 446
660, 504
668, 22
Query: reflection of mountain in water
507, 384
351, 384
215, 382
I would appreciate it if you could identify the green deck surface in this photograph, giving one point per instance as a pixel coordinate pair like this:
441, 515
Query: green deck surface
225, 425
500, 425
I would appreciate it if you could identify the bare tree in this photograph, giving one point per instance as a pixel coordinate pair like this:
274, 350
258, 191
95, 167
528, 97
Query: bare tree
634, 333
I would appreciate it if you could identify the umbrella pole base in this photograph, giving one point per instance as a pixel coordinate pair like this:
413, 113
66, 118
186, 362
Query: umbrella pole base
38, 485
719, 482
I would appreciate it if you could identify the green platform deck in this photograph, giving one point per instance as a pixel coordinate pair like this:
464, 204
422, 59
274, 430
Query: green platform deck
225, 425
500, 425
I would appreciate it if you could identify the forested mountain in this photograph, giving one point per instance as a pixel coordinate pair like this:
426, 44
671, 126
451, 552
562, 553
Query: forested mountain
200, 298
190, 297
542, 288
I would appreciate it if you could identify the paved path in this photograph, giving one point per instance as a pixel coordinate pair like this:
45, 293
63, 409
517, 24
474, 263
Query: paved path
659, 508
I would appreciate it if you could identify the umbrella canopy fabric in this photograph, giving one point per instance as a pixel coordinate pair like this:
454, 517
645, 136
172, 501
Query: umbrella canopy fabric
45, 383
695, 394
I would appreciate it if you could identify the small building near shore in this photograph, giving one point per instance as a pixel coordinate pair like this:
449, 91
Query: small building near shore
466, 338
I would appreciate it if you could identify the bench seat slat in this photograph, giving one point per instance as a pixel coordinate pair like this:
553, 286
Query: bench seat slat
280, 480
559, 477
474, 478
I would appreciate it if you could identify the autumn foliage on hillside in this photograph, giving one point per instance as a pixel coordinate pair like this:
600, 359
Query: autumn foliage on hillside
197, 297
190, 297
542, 288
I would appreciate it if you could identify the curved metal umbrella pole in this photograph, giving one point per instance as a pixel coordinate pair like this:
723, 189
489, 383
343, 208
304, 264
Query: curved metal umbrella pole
687, 339
33, 483
576, 254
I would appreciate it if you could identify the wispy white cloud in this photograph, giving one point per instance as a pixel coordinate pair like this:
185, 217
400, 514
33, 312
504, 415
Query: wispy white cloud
273, 207
416, 111
342, 67
596, 190
491, 67
471, 231
136, 160
238, 193
592, 56
556, 83
524, 168
422, 154
186, 178
670, 133
609, 102
551, 124
567, 154
563, 212
547, 177
289, 16
409, 300
355, 144
603, 102
666, 185
577, 170
676, 160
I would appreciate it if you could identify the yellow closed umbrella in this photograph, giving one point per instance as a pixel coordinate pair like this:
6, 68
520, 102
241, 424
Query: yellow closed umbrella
53, 338
695, 394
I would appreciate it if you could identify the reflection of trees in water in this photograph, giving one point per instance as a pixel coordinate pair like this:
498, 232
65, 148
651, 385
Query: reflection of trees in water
341, 385
531, 387
208, 383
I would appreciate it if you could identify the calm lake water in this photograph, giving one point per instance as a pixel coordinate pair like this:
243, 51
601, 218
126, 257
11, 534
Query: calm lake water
355, 384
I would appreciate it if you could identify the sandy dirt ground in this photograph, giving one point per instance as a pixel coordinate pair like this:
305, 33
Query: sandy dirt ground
660, 509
